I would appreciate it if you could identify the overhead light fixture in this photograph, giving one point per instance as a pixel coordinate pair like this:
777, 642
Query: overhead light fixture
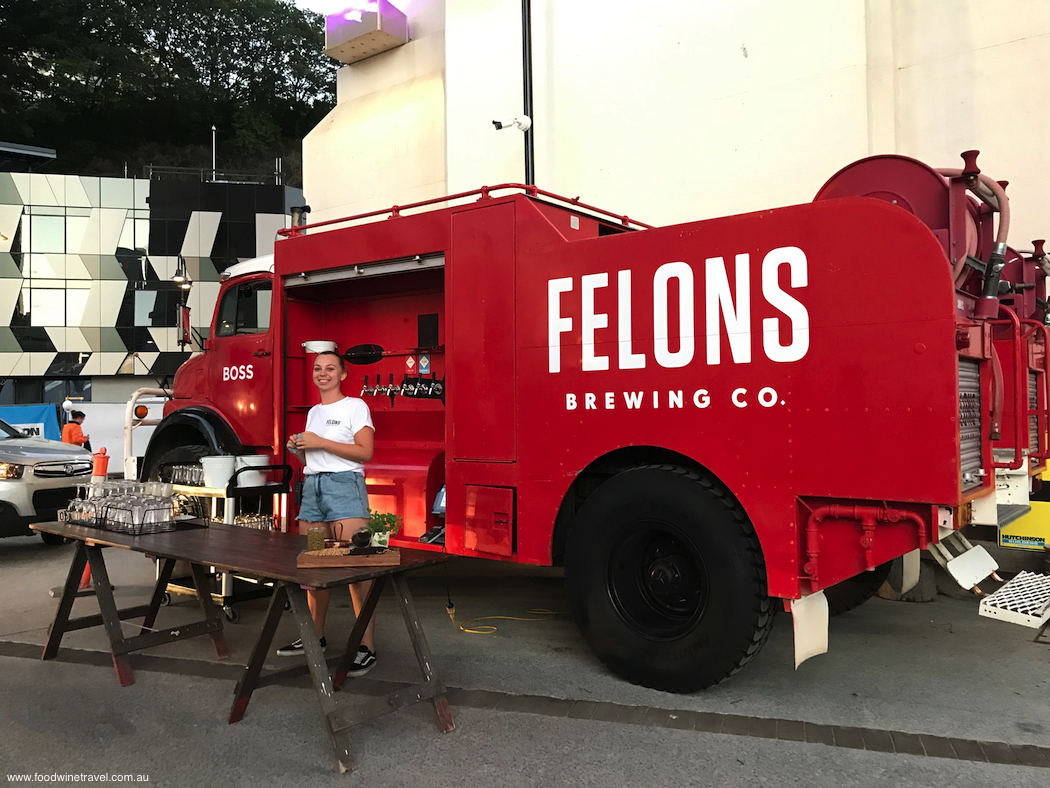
180, 272
186, 285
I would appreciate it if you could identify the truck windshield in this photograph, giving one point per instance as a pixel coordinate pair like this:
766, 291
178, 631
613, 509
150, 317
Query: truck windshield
245, 309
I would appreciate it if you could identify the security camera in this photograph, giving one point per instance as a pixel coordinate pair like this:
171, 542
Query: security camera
519, 122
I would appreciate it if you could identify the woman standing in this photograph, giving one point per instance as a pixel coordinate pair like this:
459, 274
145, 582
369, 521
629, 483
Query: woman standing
338, 440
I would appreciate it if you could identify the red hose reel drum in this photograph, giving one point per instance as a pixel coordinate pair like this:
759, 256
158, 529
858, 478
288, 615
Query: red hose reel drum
909, 184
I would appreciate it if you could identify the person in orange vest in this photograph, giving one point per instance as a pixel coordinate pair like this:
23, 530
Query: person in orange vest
72, 433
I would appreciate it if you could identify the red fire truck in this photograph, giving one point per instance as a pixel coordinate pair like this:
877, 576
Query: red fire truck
703, 422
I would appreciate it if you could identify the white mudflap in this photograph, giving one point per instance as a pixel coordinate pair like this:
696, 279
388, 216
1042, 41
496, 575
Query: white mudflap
810, 618
910, 571
970, 566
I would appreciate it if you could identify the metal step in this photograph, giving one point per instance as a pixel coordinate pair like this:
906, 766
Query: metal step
1025, 600
966, 563
1007, 513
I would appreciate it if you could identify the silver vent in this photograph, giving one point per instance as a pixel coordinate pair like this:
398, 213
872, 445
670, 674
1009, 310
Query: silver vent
970, 423
1033, 418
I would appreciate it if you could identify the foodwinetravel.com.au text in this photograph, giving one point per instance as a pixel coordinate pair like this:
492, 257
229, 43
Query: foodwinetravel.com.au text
66, 777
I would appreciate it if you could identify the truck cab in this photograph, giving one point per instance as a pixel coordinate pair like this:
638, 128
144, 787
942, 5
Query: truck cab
221, 400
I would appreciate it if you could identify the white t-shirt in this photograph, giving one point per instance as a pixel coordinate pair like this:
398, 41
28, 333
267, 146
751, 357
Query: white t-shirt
338, 422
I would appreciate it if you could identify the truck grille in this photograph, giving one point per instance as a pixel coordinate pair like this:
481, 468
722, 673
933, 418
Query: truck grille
970, 423
1033, 418
58, 470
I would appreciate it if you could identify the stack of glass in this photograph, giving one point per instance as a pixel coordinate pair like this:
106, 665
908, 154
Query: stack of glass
126, 506
260, 521
137, 514
192, 475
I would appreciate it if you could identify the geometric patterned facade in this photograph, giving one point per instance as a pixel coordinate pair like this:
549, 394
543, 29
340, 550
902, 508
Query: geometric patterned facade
86, 266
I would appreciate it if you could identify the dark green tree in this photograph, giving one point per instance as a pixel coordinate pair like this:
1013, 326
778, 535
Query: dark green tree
109, 82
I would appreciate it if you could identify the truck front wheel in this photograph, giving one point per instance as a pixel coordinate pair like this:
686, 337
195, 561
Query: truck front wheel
666, 579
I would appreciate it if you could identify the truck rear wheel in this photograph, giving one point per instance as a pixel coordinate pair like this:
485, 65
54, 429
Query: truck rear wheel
857, 590
666, 579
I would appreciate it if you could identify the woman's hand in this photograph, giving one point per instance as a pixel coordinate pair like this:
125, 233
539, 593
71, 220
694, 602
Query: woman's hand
309, 440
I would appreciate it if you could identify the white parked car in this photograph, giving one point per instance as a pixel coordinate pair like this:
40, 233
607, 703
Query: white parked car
37, 478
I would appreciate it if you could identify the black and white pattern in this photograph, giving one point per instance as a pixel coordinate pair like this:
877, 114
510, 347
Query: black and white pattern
86, 267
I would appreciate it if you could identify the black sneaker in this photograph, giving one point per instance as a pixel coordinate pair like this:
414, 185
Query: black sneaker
296, 648
363, 662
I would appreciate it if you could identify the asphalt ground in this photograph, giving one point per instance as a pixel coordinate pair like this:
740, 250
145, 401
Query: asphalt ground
909, 695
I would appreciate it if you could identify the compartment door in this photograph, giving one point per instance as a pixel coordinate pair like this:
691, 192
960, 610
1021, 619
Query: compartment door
482, 376
490, 520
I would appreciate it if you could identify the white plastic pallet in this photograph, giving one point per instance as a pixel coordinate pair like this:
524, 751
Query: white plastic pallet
1025, 600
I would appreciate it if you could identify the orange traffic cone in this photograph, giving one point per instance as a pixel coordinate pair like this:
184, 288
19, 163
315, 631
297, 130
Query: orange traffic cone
85, 579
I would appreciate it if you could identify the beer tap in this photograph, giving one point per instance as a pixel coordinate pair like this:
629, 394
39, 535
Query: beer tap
392, 390
365, 388
379, 389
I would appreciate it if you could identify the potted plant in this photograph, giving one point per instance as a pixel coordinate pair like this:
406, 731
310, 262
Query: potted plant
382, 527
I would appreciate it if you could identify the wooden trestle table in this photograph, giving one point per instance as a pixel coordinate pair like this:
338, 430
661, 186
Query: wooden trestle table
261, 554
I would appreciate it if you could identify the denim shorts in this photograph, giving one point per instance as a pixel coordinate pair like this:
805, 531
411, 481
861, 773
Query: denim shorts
328, 497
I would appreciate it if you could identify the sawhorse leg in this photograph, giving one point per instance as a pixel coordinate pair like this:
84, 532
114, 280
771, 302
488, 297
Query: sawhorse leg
159, 590
250, 678
322, 678
423, 655
110, 617
358, 632
65, 603
211, 611
107, 605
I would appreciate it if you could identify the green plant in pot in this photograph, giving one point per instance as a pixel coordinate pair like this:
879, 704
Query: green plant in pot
382, 527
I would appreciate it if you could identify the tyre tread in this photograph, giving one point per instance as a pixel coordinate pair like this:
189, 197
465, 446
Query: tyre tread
764, 608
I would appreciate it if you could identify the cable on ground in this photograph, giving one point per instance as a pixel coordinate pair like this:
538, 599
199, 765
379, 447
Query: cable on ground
536, 614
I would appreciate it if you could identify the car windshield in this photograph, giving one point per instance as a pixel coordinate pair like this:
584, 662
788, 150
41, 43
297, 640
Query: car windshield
7, 431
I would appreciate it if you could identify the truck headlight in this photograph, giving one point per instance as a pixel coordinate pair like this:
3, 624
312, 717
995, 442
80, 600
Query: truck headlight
8, 470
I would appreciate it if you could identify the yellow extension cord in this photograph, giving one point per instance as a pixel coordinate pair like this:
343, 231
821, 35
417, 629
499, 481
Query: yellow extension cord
487, 629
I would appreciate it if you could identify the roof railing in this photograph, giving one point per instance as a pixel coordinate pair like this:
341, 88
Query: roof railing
485, 192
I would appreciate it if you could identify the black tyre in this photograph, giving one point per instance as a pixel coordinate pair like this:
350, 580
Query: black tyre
666, 579
52, 539
857, 590
231, 614
179, 455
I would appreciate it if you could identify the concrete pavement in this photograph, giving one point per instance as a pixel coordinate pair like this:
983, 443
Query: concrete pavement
532, 705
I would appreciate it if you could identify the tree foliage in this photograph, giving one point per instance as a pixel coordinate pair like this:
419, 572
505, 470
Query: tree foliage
112, 81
